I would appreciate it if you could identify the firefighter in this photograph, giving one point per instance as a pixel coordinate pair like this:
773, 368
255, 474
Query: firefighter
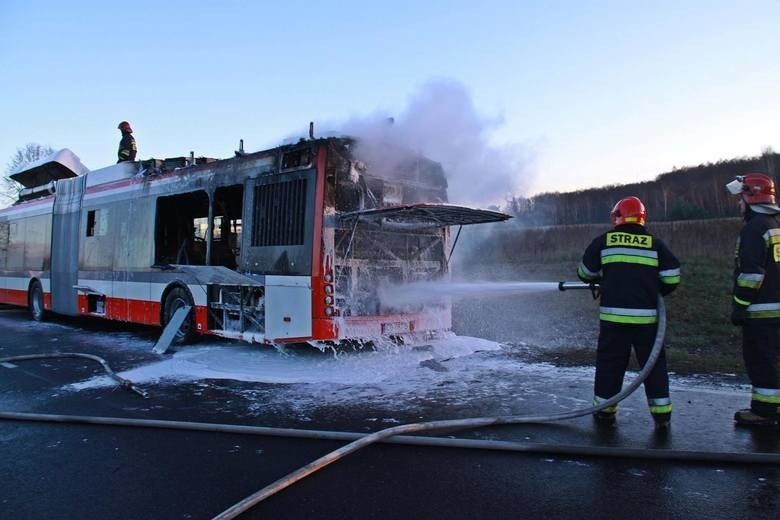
632, 267
127, 148
756, 295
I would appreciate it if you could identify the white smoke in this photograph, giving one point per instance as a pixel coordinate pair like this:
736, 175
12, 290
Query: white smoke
441, 123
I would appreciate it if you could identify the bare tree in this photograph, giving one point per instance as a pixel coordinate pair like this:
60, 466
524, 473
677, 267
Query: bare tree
31, 152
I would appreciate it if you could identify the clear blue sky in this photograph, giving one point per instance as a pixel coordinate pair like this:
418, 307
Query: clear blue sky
587, 93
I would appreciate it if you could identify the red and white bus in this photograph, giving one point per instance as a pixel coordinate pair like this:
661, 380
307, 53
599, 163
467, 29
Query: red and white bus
283, 245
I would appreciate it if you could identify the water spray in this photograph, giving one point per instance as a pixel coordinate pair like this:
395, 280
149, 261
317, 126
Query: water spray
433, 291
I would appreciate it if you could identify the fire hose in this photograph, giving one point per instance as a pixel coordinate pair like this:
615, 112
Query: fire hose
123, 383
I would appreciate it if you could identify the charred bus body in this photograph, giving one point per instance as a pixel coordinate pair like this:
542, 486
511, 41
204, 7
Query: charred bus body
285, 245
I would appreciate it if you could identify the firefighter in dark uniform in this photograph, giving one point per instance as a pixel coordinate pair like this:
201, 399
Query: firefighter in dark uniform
632, 267
127, 148
756, 296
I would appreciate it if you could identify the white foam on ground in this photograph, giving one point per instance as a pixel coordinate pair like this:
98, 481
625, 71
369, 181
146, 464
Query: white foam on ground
450, 373
266, 365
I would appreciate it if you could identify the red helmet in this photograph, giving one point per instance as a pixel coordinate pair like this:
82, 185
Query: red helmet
629, 210
754, 188
125, 127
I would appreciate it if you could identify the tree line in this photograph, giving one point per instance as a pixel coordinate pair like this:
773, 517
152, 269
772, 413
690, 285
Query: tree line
696, 192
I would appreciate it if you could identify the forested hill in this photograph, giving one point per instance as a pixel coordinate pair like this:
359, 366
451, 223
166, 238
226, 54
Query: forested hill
688, 193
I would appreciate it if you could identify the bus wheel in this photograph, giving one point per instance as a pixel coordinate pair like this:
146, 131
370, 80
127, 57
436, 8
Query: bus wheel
35, 301
176, 299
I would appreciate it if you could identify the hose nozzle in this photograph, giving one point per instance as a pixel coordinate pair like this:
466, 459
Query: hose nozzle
563, 286
593, 287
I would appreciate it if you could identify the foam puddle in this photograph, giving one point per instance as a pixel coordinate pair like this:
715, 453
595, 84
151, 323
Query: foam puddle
265, 365
384, 383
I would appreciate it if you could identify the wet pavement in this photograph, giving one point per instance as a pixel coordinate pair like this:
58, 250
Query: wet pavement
54, 470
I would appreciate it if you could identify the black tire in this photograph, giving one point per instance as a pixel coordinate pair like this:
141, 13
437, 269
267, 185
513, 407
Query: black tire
177, 298
35, 302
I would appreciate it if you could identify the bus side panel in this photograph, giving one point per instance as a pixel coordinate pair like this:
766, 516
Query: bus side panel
24, 255
65, 245
14, 290
134, 311
132, 237
287, 307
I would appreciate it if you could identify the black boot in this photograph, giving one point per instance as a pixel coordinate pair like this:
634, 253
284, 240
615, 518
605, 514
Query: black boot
603, 418
662, 421
748, 417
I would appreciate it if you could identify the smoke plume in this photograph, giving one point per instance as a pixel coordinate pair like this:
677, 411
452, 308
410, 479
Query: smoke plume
442, 123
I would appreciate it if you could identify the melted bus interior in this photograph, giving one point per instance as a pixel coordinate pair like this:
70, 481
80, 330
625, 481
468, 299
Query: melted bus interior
182, 223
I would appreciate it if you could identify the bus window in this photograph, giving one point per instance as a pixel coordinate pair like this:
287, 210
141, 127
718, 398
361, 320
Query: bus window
200, 227
178, 238
297, 159
97, 222
5, 239
226, 226
38, 238
15, 249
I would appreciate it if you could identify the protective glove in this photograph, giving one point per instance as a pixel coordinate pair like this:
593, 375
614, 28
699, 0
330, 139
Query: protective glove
738, 316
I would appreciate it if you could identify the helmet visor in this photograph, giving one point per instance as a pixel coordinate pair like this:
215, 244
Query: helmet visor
735, 187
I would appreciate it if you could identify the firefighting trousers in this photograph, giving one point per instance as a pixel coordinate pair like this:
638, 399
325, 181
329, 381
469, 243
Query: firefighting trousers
761, 352
613, 353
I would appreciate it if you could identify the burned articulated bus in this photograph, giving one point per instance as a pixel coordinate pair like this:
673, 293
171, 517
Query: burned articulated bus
290, 244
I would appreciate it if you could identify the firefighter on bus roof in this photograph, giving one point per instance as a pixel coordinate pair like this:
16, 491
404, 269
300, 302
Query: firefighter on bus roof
756, 298
632, 267
127, 148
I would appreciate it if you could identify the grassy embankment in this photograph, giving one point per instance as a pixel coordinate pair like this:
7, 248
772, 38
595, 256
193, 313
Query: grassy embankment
700, 334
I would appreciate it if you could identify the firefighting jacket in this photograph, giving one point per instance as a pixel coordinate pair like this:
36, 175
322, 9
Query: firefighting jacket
757, 268
632, 267
127, 149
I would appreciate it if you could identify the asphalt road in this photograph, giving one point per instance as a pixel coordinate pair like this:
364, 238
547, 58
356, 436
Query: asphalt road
51, 470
